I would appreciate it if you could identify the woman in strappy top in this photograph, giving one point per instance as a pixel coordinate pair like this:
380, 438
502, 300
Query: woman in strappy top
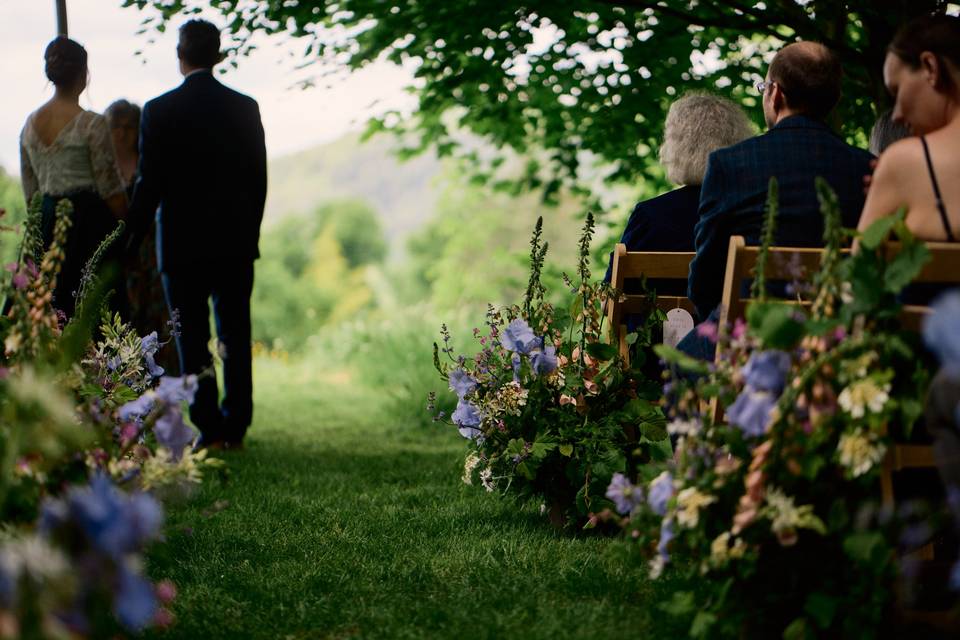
922, 173
66, 152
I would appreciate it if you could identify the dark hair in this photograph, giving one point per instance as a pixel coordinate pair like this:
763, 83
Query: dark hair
809, 75
123, 114
938, 34
199, 44
66, 62
885, 132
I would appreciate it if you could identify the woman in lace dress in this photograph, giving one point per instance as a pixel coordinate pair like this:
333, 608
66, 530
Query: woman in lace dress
66, 152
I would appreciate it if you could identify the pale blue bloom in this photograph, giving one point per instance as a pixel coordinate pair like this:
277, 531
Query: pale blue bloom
461, 383
134, 602
767, 371
751, 411
172, 432
518, 337
515, 363
666, 535
149, 345
661, 490
176, 390
544, 360
941, 331
467, 417
137, 409
625, 495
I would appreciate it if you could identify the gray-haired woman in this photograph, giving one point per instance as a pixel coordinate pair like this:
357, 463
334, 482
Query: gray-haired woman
697, 125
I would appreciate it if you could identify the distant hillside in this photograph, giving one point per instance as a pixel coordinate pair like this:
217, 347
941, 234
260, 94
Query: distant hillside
403, 193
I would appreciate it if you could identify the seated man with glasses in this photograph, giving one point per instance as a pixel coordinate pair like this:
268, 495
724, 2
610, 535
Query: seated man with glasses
801, 89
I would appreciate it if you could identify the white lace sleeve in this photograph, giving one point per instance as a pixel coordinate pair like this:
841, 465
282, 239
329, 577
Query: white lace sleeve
103, 160
28, 177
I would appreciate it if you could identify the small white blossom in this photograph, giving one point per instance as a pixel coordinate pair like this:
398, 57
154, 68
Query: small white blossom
486, 479
678, 427
469, 465
656, 566
862, 395
860, 451
689, 503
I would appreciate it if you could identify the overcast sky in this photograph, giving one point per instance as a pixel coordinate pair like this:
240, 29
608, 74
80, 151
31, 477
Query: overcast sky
293, 118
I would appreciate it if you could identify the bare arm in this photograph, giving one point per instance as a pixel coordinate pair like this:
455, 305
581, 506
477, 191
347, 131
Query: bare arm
887, 193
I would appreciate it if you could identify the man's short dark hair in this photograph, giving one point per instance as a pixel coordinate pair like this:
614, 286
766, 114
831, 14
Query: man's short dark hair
199, 44
809, 75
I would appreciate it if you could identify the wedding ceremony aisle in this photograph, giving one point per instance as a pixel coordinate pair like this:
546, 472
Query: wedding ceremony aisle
339, 522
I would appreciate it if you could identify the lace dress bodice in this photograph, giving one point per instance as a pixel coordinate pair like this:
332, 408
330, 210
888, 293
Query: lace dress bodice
80, 158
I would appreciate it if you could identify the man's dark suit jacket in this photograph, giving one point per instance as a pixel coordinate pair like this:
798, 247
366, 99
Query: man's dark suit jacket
204, 162
733, 197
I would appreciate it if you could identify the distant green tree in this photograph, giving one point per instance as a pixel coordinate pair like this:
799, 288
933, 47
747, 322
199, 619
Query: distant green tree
11, 199
569, 77
357, 229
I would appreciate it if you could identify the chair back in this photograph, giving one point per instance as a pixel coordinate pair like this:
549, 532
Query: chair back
631, 265
790, 264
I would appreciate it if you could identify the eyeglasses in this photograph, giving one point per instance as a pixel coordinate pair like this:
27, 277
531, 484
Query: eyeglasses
763, 85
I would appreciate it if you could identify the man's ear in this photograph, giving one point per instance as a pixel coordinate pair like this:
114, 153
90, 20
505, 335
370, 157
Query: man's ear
777, 99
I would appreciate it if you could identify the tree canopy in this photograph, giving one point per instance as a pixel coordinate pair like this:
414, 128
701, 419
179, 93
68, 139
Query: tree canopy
563, 83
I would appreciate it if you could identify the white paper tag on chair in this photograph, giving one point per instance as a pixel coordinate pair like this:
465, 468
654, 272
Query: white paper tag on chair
678, 324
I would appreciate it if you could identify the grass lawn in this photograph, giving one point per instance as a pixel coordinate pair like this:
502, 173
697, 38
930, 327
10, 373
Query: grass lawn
338, 522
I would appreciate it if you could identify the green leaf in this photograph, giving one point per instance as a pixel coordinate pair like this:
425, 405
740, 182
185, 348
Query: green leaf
905, 266
681, 604
867, 547
822, 608
566, 450
878, 232
775, 324
524, 470
602, 351
653, 431
702, 623
681, 360
797, 630
632, 337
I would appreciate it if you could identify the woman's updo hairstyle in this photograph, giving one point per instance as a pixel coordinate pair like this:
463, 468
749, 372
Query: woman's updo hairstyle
66, 62
940, 35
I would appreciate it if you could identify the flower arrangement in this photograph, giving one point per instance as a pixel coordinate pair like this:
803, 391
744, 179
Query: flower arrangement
777, 503
92, 436
550, 409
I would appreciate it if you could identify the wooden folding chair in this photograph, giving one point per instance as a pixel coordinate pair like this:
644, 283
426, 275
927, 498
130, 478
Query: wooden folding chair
631, 265
944, 269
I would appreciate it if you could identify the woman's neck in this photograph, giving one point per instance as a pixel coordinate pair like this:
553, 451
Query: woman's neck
67, 96
127, 163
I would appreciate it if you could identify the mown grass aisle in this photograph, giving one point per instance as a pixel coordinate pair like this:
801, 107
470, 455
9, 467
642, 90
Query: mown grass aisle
338, 522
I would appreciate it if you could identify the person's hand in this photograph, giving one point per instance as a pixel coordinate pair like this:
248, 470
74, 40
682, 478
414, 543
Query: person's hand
868, 179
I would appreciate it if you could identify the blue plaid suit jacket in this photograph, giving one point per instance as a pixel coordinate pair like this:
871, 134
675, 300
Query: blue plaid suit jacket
732, 200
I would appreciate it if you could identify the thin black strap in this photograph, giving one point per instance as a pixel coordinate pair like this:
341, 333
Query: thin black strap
936, 191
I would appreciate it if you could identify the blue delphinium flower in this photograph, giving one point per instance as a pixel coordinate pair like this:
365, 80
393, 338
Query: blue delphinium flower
767, 371
114, 523
941, 331
172, 432
149, 345
137, 409
624, 494
518, 337
461, 383
515, 364
751, 411
176, 390
661, 490
666, 535
467, 417
134, 602
544, 360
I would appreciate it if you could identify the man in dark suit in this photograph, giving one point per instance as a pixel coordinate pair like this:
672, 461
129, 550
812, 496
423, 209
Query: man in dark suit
203, 162
801, 89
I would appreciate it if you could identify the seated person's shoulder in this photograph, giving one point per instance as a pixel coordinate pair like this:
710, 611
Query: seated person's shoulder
903, 156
